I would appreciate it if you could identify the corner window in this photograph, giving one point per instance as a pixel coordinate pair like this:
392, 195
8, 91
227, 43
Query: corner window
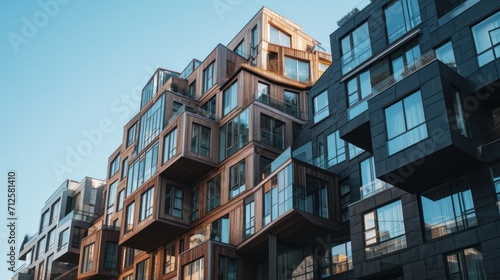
230, 99
213, 193
405, 122
384, 230
487, 39
358, 91
200, 140
296, 69
151, 123
114, 166
278, 37
220, 230
466, 264
400, 17
146, 204
447, 209
236, 179
320, 109
209, 108
336, 149
142, 169
446, 55
356, 48
174, 198
170, 145
208, 77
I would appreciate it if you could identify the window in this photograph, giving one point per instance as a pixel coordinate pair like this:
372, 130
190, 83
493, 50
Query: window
111, 256
291, 103
236, 179
173, 201
358, 91
146, 204
254, 42
193, 271
194, 204
129, 217
88, 258
240, 49
51, 237
210, 108
354, 151
78, 234
296, 69
461, 124
213, 193
124, 168
316, 196
278, 37
192, 89
345, 200
320, 109
272, 132
54, 210
279, 198
170, 145
400, 17
220, 230
402, 64
208, 77
121, 197
356, 48
336, 149
169, 258
140, 270
128, 258
40, 248
200, 236
114, 166
445, 6
405, 122
228, 268
131, 135
63, 238
230, 100
384, 230
249, 221
487, 39
448, 208
44, 223
319, 159
151, 123
142, 169
336, 260
234, 135
446, 55
495, 170
41, 270
370, 185
200, 140
112, 194
466, 264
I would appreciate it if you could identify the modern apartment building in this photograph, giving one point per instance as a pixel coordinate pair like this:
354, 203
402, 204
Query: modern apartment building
68, 213
407, 120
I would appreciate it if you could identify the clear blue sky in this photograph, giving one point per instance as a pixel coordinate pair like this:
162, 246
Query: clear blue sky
65, 65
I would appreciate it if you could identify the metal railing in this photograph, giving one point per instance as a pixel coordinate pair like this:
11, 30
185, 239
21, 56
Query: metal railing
283, 106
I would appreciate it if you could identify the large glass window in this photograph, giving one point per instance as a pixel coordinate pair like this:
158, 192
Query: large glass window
131, 135
356, 48
291, 103
446, 55
254, 42
272, 131
297, 69
335, 148
240, 49
193, 271
114, 166
369, 183
151, 123
112, 194
336, 260
230, 98
146, 204
213, 193
384, 230
466, 264
200, 140
208, 77
169, 258
142, 169
487, 39
63, 239
358, 91
234, 135
278, 37
448, 208
236, 179
220, 230
405, 122
111, 256
140, 270
51, 237
173, 201
402, 64
400, 17
279, 198
170, 145
40, 248
495, 170
128, 257
88, 258
209, 108
316, 196
228, 268
320, 109
129, 217
54, 210
249, 228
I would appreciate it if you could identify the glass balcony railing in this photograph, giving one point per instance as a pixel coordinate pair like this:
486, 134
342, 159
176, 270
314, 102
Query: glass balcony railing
79, 215
283, 106
197, 111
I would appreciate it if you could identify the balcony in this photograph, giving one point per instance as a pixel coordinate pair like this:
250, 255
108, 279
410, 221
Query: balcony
290, 109
106, 263
190, 156
446, 147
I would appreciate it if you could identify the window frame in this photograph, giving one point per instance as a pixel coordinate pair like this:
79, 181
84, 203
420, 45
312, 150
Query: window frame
147, 204
237, 185
208, 77
199, 142
320, 113
213, 193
